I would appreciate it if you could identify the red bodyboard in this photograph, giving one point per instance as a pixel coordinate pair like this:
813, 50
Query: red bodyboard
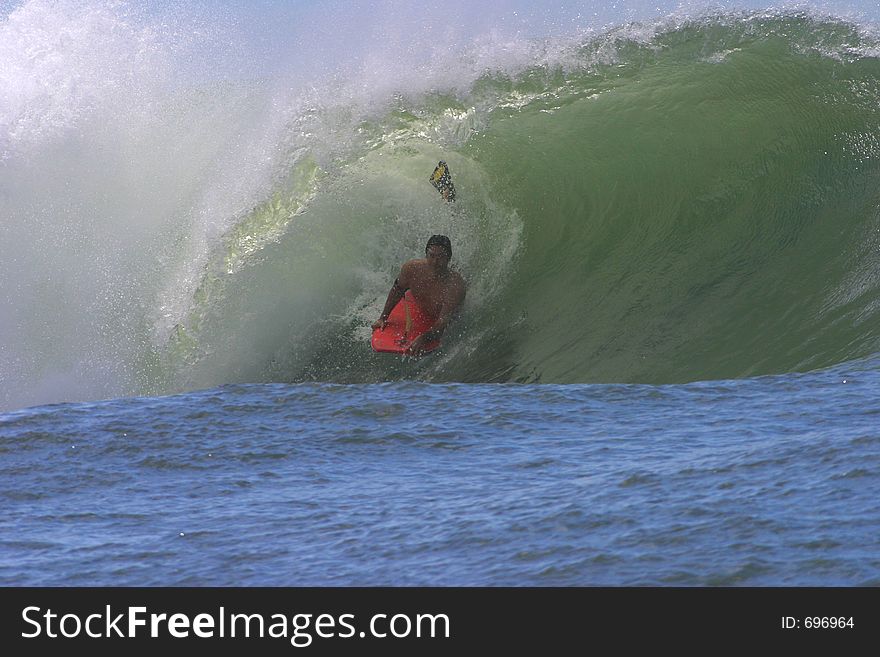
405, 323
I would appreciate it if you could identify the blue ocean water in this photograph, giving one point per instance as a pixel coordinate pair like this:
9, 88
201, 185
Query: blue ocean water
763, 481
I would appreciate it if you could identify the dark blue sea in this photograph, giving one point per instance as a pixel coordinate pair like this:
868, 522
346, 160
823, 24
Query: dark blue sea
766, 481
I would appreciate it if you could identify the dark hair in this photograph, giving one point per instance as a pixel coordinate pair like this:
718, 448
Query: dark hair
440, 240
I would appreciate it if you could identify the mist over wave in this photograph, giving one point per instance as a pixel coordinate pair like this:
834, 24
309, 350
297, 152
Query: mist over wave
687, 196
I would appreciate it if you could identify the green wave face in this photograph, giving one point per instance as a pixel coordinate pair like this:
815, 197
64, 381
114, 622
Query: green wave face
709, 209
698, 203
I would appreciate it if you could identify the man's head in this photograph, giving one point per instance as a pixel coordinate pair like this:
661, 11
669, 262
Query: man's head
439, 241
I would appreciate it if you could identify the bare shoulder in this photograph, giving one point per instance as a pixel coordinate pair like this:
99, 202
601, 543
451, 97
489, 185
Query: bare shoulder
458, 284
409, 269
413, 265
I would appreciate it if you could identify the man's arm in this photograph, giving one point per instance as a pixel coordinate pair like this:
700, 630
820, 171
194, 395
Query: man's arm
395, 294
